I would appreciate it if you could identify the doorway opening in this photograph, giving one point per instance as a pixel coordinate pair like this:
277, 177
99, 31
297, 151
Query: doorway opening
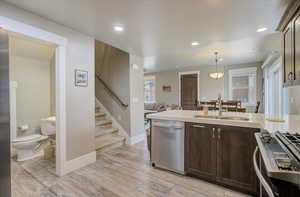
189, 86
22, 30
32, 105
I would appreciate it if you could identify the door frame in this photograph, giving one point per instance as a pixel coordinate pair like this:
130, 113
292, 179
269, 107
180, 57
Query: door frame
22, 29
198, 83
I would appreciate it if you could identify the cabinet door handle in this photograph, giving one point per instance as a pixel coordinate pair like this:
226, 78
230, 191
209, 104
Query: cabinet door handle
198, 126
219, 133
291, 76
213, 132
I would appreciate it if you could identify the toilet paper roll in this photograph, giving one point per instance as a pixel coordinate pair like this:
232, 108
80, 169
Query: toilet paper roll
23, 127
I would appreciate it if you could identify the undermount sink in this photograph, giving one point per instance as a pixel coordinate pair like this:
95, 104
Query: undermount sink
203, 116
234, 118
224, 117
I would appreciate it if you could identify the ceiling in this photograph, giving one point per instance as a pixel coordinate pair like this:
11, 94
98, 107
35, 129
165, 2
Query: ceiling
162, 30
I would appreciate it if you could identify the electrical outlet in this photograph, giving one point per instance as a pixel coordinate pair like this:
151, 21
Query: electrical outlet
292, 99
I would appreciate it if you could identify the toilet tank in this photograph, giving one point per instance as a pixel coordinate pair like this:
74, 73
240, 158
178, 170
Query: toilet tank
48, 126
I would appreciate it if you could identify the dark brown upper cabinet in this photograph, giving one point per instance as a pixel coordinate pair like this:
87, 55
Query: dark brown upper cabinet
291, 56
288, 55
296, 25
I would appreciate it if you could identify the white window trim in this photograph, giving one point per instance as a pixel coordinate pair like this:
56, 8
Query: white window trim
149, 78
198, 83
276, 66
242, 72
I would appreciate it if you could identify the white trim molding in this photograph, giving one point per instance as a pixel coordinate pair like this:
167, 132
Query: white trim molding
136, 139
198, 83
80, 162
13, 109
251, 73
273, 82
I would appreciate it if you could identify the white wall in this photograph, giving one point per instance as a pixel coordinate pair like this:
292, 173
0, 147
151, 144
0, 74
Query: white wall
30, 67
209, 88
293, 100
80, 101
136, 96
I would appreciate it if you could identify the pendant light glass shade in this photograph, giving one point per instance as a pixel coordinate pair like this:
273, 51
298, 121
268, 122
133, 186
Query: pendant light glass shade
216, 75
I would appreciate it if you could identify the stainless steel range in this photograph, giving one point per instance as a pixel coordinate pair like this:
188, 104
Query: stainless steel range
280, 153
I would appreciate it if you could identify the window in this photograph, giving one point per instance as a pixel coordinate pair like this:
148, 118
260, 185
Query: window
242, 86
149, 89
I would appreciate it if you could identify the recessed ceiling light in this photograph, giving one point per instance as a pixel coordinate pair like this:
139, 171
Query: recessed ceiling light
261, 29
119, 28
195, 43
221, 59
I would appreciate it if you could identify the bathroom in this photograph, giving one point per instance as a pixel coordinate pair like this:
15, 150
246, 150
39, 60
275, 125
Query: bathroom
32, 102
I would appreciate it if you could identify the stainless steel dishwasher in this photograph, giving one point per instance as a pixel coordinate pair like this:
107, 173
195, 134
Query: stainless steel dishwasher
167, 145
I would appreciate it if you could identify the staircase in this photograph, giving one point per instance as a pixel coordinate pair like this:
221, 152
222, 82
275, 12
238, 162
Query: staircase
106, 136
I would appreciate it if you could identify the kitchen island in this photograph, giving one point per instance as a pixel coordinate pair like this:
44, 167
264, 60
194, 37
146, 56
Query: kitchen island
218, 149
259, 121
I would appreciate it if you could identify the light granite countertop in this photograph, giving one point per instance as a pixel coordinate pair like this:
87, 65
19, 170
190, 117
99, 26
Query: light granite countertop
291, 122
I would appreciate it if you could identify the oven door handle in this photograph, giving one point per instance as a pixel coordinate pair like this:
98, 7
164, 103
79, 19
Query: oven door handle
260, 176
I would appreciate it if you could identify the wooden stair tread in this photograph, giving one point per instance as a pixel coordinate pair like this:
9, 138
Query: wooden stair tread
103, 122
99, 114
105, 141
105, 131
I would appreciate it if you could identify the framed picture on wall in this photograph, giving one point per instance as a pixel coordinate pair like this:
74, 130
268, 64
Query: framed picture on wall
81, 78
166, 88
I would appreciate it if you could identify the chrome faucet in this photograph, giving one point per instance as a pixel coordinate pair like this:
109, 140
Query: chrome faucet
220, 105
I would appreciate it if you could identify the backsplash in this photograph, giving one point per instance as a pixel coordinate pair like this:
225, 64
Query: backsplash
293, 100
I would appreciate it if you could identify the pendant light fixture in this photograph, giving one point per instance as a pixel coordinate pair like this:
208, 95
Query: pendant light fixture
216, 75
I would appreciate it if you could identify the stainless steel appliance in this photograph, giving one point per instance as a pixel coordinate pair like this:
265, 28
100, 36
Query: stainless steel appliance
4, 116
280, 154
167, 145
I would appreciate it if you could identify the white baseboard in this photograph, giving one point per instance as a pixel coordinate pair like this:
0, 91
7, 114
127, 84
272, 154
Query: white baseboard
136, 139
79, 162
115, 123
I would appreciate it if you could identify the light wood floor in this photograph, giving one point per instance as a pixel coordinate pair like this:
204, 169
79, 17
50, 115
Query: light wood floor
124, 171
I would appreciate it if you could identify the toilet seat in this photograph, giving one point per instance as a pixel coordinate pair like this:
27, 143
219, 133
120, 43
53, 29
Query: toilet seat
29, 138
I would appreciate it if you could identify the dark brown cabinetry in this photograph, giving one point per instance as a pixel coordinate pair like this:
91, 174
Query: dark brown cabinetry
291, 56
296, 24
201, 147
221, 154
288, 57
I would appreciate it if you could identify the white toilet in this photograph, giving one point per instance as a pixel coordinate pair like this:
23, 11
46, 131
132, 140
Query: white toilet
31, 146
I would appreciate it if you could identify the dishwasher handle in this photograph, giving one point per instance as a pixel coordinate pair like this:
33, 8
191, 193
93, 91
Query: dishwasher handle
168, 126
262, 180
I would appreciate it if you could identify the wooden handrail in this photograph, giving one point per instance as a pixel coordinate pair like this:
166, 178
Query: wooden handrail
114, 95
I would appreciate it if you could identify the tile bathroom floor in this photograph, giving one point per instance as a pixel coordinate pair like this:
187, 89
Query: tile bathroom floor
124, 171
